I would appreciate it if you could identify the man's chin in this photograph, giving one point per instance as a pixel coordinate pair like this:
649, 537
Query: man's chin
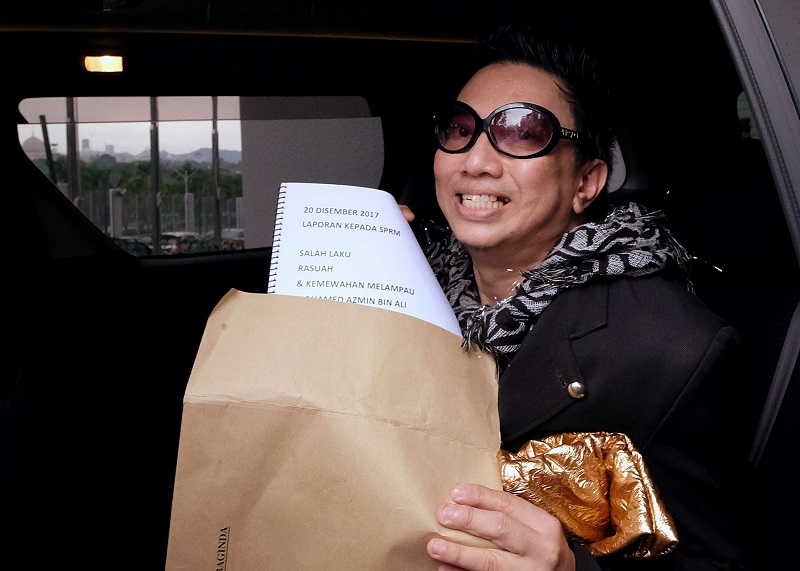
475, 241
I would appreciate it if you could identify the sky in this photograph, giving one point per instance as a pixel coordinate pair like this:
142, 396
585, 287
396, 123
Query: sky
124, 122
174, 137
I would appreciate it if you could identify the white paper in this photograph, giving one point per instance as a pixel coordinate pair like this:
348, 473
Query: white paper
353, 244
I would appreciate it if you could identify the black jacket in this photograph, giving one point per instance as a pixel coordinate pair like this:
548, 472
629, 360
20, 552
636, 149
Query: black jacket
658, 366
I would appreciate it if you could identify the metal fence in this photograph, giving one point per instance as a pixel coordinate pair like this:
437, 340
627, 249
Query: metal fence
120, 214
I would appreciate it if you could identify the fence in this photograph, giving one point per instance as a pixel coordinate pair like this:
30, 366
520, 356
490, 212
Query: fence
120, 214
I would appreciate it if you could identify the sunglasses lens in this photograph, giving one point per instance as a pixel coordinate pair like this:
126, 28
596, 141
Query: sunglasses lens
520, 131
455, 128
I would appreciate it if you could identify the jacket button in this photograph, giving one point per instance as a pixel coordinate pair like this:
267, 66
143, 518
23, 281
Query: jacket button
576, 390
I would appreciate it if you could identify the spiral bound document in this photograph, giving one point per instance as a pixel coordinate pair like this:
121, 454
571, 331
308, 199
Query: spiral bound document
352, 244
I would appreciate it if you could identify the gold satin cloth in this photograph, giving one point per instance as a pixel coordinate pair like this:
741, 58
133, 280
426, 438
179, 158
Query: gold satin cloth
597, 485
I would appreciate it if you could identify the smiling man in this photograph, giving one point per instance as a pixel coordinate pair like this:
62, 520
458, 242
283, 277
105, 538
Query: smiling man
587, 310
507, 210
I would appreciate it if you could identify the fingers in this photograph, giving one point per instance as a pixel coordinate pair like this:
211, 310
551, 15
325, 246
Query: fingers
457, 557
492, 504
525, 536
494, 525
409, 216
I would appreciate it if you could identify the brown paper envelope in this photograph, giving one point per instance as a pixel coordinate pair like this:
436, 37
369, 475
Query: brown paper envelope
323, 435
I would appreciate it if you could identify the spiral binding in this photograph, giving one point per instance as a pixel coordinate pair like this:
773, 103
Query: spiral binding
276, 240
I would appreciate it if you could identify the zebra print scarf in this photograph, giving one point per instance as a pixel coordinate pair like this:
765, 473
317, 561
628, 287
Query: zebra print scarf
628, 242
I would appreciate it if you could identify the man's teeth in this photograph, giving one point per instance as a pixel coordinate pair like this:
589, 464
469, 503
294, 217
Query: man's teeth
481, 201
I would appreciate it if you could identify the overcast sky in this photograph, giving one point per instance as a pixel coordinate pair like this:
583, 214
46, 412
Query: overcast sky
174, 137
124, 122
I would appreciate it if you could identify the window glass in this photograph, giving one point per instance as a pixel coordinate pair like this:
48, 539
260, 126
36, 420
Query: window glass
169, 175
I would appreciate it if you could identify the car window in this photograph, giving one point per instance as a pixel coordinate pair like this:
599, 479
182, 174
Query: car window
172, 175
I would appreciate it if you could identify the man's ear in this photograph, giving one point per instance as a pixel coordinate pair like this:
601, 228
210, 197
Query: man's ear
592, 182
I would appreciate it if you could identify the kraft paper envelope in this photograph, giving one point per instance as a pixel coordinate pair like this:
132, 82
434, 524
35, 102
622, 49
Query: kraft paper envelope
323, 435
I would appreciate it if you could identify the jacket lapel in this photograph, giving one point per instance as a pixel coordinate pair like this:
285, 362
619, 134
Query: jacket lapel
533, 388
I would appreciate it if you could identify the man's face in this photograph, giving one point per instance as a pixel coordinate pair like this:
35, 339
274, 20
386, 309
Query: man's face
515, 209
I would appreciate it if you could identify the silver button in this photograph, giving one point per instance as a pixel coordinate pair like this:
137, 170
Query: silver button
576, 390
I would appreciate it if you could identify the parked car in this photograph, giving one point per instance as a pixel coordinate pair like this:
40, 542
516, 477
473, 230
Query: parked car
233, 238
133, 246
178, 242
217, 104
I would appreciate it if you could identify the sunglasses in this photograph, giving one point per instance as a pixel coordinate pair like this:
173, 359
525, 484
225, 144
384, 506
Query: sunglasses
519, 130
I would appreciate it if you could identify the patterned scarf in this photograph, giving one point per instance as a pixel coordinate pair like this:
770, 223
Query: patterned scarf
629, 242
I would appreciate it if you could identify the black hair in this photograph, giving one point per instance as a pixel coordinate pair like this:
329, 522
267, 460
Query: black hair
580, 73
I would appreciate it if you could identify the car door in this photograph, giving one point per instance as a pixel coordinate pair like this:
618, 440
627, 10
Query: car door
100, 323
762, 38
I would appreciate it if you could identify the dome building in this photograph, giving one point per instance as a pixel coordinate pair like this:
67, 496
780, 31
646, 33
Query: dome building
34, 148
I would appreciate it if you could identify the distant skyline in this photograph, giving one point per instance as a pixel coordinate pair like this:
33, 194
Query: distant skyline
124, 122
175, 137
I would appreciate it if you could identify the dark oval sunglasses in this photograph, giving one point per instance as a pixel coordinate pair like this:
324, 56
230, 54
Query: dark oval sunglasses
519, 130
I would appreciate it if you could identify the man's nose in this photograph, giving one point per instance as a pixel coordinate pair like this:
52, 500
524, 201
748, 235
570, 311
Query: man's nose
482, 157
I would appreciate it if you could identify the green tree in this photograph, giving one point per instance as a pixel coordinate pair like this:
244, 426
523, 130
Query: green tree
230, 181
135, 178
188, 177
60, 164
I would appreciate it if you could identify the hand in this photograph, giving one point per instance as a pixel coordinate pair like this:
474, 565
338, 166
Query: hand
407, 212
526, 537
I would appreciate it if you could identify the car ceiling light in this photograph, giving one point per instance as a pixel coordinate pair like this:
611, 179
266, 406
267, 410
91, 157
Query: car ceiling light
103, 63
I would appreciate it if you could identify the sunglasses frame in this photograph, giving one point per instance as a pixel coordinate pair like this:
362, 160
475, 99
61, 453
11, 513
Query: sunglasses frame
559, 132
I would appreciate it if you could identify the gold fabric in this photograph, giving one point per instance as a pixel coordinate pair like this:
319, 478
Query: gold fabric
597, 485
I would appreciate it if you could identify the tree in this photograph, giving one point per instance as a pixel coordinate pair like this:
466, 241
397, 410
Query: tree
230, 182
135, 178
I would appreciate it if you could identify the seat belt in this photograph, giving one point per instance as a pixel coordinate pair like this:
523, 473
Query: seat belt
777, 389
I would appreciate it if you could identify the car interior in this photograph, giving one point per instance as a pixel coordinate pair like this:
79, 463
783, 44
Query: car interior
98, 339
